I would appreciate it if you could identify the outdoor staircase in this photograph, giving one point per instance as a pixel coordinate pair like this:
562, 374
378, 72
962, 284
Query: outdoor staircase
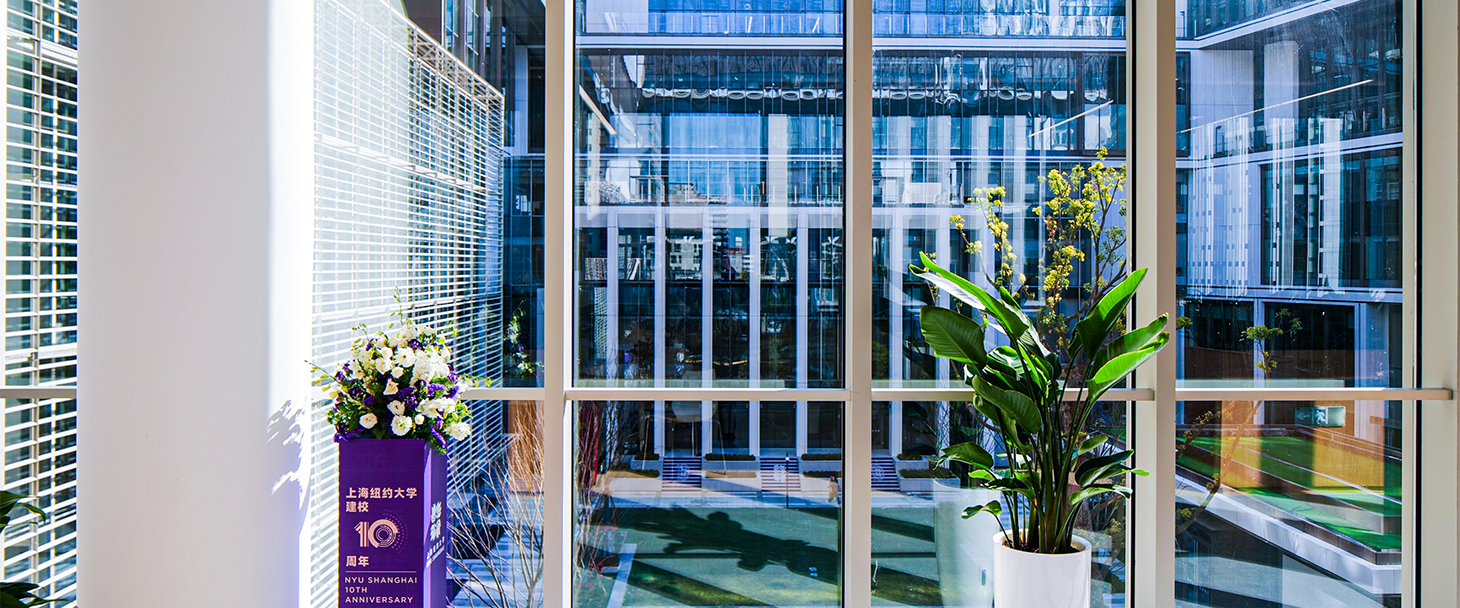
780, 475
683, 474
884, 475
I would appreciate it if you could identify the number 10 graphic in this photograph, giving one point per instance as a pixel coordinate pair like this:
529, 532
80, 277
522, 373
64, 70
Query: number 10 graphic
380, 534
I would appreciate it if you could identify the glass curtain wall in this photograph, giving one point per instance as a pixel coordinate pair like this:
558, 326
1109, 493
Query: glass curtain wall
1289, 222
971, 96
708, 254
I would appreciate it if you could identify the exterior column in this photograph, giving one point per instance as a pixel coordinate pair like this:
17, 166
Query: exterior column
707, 427
896, 272
707, 302
755, 429
197, 252
801, 428
753, 323
894, 428
611, 276
661, 301
803, 294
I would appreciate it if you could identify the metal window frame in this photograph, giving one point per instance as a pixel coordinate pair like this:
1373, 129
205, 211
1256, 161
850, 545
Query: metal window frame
1431, 432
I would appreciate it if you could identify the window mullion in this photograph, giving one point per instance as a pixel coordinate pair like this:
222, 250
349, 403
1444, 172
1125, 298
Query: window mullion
1152, 512
556, 418
1432, 215
857, 416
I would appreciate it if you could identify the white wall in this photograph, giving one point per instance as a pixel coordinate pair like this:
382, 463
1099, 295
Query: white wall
198, 154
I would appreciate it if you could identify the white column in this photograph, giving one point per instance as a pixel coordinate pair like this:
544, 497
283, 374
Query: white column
803, 294
894, 428
755, 429
896, 236
801, 428
661, 301
659, 428
661, 325
708, 267
753, 323
611, 275
199, 182
707, 427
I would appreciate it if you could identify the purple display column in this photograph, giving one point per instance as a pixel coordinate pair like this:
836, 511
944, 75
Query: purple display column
394, 528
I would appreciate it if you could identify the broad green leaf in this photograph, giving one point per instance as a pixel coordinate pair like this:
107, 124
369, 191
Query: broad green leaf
993, 507
953, 335
1090, 471
969, 453
1090, 443
1019, 407
1090, 492
1091, 331
1129, 342
958, 287
1119, 367
1007, 362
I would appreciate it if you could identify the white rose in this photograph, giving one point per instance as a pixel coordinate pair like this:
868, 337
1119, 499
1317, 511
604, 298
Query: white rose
368, 421
422, 369
391, 388
420, 419
397, 408
458, 430
405, 357
382, 366
429, 408
400, 425
397, 372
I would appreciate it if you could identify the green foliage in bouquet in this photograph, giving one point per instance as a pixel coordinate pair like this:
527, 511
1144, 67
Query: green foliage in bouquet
16, 595
1054, 461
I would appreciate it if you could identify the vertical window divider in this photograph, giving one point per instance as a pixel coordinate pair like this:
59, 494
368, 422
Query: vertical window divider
857, 213
1151, 49
1431, 435
556, 417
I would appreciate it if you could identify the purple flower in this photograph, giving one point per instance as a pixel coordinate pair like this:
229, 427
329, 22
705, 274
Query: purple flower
432, 389
454, 390
414, 343
369, 401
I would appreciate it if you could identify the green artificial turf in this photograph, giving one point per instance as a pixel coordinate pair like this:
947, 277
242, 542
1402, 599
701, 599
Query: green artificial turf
1293, 459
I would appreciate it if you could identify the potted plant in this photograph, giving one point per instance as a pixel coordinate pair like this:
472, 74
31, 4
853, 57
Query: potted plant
18, 594
1054, 461
395, 410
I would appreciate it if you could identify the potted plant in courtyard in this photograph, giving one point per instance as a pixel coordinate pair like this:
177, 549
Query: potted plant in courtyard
395, 410
1053, 462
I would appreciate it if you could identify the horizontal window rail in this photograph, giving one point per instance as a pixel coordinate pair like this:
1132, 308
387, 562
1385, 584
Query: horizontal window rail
878, 394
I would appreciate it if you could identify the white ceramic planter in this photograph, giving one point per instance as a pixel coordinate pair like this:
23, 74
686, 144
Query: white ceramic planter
1034, 580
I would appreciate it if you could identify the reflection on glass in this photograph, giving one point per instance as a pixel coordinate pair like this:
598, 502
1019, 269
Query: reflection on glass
1289, 195
715, 173
949, 122
924, 552
690, 503
496, 513
1288, 503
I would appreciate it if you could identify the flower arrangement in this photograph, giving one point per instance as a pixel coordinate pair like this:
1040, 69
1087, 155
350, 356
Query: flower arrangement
398, 385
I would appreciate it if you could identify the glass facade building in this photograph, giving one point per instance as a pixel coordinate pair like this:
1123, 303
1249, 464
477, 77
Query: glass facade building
41, 289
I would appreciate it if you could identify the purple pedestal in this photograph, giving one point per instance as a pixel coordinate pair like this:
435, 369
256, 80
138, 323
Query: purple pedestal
394, 528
